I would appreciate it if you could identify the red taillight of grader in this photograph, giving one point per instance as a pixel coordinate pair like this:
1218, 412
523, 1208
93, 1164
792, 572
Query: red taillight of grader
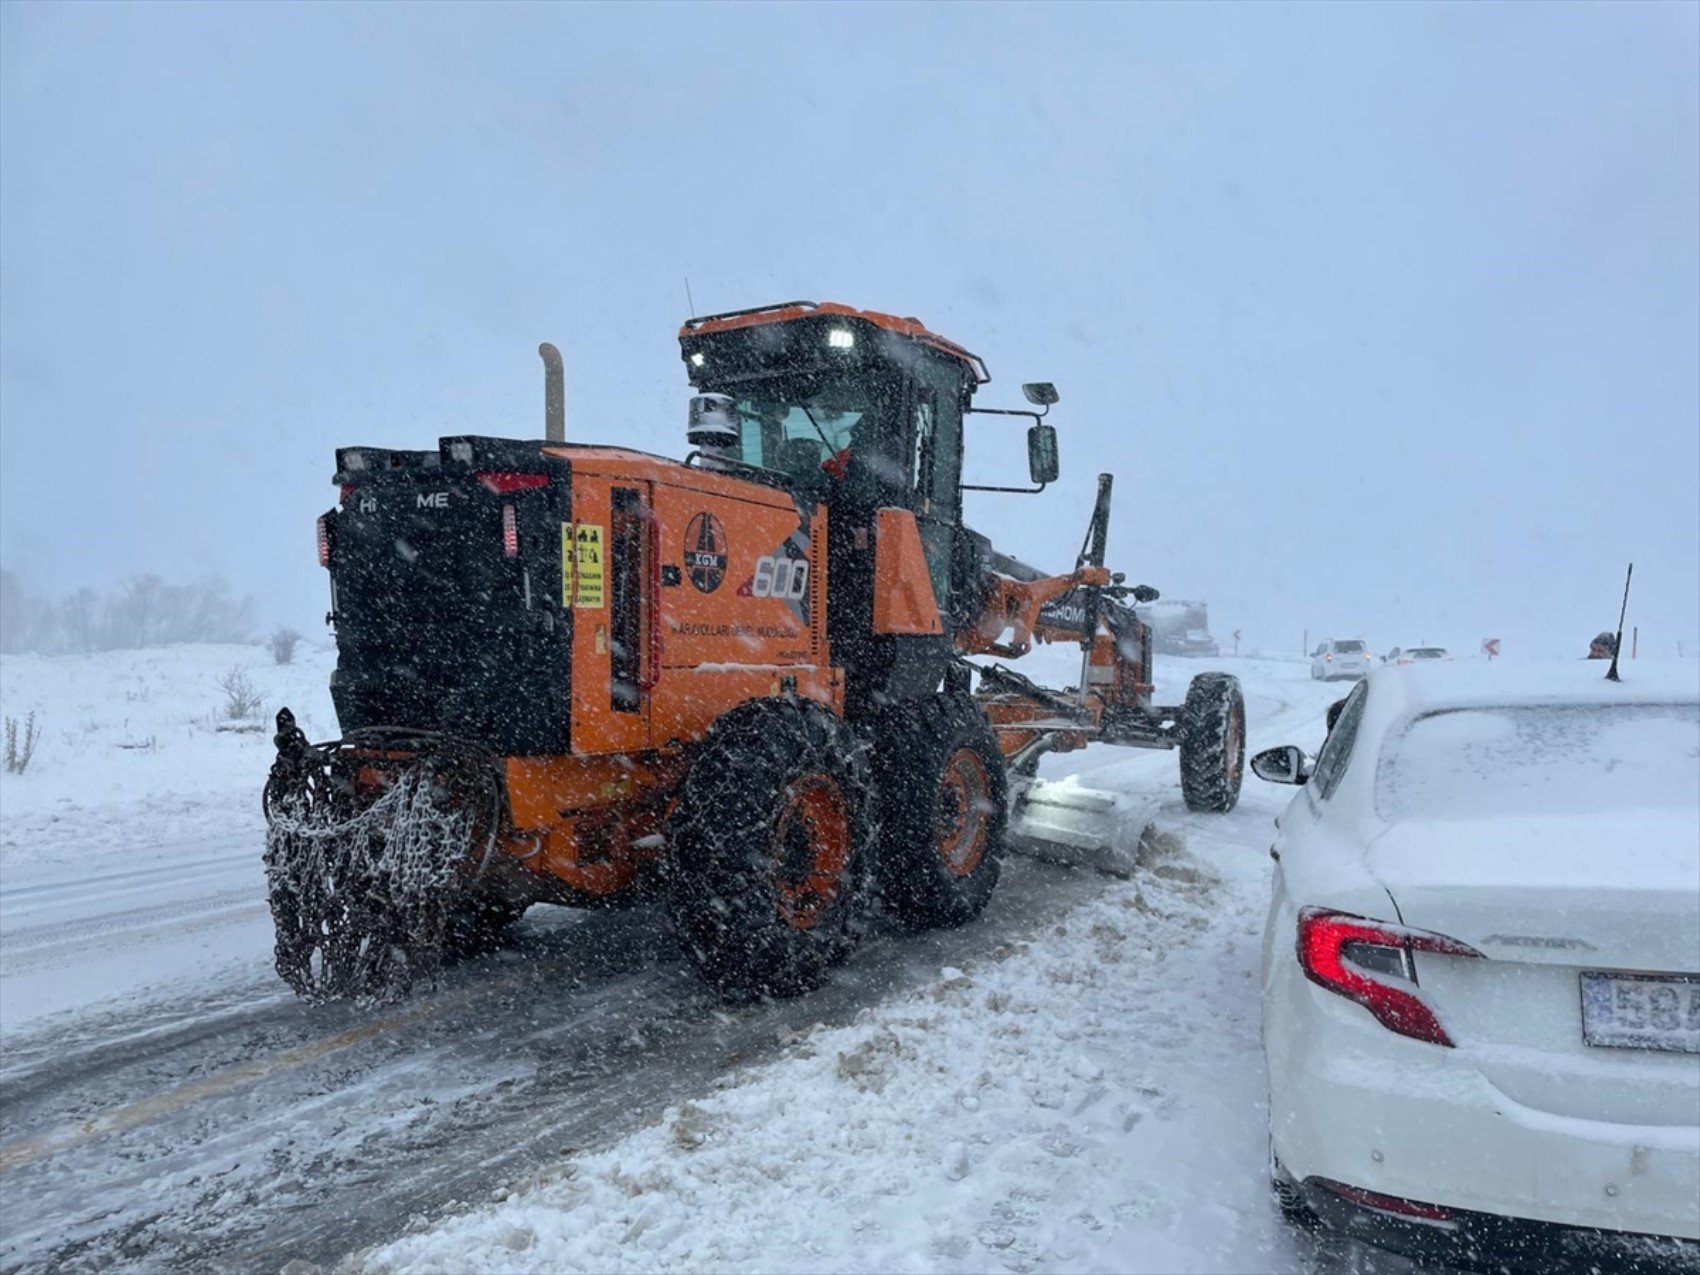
510, 532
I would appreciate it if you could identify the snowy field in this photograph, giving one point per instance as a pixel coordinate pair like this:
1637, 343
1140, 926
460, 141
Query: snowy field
129, 849
1073, 1083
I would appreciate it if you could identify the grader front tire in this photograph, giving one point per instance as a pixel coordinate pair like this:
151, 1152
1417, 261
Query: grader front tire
1213, 743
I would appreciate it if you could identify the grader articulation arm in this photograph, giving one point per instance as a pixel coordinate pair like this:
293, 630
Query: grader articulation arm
1111, 703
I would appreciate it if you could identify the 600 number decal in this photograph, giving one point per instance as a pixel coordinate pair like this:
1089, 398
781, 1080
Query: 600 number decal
780, 578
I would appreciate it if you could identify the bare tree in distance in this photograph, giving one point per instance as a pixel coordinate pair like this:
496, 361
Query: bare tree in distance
144, 611
241, 699
283, 642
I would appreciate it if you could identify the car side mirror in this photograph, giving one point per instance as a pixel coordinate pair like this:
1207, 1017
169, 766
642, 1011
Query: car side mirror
1042, 453
1040, 393
1285, 765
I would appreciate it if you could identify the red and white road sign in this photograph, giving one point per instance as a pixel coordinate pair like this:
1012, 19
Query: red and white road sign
1490, 647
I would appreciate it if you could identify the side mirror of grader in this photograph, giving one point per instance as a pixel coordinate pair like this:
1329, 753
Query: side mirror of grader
1042, 453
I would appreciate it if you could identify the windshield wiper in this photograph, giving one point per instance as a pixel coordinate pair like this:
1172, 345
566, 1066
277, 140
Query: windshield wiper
831, 450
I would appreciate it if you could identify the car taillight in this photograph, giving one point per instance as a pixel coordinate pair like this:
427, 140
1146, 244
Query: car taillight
503, 483
510, 532
1358, 959
324, 540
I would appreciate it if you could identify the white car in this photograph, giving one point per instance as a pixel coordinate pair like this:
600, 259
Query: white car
1347, 657
1481, 968
1415, 654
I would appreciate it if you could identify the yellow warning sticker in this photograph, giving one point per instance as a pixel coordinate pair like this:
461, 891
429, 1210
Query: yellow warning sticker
585, 557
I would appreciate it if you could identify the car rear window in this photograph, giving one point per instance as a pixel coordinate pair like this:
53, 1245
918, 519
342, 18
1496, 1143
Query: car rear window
1427, 653
1350, 648
1561, 759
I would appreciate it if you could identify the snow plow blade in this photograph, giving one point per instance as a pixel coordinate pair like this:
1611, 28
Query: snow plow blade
1064, 822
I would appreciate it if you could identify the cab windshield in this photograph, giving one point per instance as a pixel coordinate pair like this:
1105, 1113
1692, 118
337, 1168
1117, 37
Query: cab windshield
796, 426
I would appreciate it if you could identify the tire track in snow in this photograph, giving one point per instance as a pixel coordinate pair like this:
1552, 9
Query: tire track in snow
49, 944
165, 914
79, 888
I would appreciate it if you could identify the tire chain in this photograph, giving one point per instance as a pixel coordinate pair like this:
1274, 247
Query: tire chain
361, 896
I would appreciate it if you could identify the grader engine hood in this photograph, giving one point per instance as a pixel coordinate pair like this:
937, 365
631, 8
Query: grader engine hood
541, 599
445, 570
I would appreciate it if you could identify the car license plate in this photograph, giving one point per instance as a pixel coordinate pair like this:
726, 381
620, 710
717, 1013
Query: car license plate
1642, 1011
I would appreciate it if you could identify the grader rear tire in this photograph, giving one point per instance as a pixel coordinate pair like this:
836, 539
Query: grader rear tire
770, 848
944, 793
1213, 743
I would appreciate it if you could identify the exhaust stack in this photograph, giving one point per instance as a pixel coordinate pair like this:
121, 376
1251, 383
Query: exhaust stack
554, 395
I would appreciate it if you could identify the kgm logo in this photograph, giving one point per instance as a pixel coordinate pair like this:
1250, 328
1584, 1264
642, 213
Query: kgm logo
705, 552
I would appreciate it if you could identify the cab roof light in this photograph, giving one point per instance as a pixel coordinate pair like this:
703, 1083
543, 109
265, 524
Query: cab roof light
1325, 948
502, 483
841, 339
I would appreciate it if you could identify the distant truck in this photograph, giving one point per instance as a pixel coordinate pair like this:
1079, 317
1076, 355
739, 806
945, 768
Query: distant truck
1179, 628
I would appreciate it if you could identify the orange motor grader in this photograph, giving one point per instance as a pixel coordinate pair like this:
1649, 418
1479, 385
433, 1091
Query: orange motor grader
578, 673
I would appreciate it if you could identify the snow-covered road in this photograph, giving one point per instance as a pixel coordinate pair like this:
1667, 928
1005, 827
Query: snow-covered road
171, 913
1071, 1083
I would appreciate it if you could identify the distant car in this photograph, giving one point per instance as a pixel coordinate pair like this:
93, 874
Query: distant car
1416, 654
1481, 970
1346, 657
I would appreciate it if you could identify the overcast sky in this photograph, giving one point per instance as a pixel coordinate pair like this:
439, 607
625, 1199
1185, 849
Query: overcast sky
1386, 318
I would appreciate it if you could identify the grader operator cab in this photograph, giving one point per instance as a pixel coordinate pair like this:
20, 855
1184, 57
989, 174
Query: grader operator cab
578, 673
